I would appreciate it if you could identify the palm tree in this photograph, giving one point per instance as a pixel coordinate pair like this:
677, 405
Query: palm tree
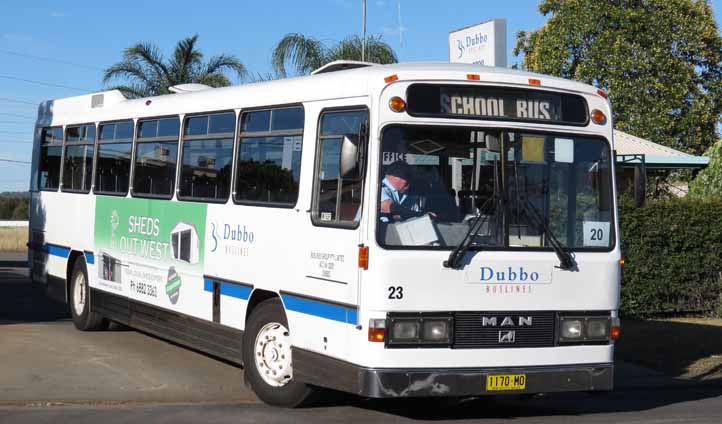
148, 73
305, 54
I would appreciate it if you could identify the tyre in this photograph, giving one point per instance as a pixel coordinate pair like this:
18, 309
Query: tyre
79, 300
267, 357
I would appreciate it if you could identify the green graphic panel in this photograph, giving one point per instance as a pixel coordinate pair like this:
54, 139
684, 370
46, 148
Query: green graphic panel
151, 231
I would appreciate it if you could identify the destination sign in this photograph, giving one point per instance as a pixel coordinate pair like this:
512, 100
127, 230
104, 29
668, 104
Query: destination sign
496, 103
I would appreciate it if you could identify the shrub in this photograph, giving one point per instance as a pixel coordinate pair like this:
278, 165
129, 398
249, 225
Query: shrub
673, 256
14, 208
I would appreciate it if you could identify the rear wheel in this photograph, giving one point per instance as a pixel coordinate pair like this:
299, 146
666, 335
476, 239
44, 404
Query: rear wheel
267, 357
79, 299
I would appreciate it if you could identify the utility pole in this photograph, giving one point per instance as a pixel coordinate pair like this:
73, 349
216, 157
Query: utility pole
363, 39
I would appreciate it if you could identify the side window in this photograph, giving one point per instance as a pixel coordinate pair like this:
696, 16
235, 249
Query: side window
112, 169
207, 157
156, 153
51, 149
269, 156
337, 198
78, 158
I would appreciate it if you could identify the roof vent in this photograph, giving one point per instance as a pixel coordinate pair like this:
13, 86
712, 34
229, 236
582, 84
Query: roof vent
341, 65
97, 100
187, 88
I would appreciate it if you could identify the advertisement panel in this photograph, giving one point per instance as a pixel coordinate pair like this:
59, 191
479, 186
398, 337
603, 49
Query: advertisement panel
481, 44
150, 250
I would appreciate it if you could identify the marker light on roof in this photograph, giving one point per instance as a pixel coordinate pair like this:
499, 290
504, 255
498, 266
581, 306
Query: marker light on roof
534, 81
602, 93
473, 77
391, 78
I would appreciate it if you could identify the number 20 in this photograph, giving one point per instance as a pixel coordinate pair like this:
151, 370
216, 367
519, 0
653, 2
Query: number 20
597, 234
396, 293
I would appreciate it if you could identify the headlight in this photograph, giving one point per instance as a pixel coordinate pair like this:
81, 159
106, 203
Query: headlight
405, 330
598, 328
571, 329
417, 330
436, 330
584, 329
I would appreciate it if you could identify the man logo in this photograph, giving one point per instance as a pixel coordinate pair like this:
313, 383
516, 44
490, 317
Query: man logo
507, 336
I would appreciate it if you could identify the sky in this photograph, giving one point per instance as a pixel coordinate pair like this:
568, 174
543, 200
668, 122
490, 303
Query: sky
53, 49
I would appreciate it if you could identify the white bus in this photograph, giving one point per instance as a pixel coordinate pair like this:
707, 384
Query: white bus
407, 230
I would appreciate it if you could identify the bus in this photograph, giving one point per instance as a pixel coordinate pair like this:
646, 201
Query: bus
406, 230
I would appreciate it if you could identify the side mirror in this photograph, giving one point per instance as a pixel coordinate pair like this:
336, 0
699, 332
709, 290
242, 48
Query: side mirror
351, 157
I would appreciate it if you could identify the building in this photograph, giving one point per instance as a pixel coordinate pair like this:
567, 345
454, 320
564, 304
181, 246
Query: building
637, 158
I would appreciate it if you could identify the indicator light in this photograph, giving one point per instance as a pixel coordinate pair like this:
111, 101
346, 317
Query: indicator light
397, 104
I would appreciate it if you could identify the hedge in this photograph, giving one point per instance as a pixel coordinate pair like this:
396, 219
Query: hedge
673, 257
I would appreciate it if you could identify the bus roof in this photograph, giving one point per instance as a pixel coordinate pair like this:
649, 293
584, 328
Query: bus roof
345, 83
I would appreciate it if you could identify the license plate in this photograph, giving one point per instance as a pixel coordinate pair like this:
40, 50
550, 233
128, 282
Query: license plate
505, 382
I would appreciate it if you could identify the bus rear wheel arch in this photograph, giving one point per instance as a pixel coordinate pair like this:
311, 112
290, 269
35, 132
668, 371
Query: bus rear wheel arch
79, 300
267, 358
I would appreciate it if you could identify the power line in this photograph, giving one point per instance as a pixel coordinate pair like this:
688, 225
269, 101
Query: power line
14, 161
8, 99
45, 83
15, 142
15, 132
17, 116
64, 62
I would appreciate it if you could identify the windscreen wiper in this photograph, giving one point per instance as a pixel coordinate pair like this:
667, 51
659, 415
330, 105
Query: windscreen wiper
566, 260
454, 259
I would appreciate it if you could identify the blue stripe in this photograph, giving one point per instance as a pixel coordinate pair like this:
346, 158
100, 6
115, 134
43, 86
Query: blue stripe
229, 289
89, 258
321, 309
54, 250
208, 285
233, 290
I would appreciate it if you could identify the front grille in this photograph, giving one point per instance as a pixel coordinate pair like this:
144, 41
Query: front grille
469, 333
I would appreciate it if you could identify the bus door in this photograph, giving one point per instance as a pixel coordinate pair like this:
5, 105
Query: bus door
332, 242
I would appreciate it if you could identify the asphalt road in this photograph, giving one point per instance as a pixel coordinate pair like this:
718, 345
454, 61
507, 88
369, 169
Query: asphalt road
49, 372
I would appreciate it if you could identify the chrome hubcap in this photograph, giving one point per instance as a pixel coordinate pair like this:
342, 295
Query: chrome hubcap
272, 352
79, 294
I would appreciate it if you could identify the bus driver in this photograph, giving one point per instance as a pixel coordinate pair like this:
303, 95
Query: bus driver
398, 203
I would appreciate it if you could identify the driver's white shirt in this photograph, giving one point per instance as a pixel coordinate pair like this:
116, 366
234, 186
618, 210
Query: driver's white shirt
388, 192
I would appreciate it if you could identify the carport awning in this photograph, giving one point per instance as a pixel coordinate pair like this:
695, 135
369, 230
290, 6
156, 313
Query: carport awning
632, 150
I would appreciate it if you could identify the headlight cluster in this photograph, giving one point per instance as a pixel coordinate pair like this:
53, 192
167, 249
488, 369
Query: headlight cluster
587, 329
422, 330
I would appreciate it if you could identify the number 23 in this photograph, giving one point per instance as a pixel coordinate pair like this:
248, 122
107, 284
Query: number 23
396, 292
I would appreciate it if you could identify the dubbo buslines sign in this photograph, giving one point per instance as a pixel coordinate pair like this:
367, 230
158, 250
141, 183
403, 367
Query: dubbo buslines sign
459, 101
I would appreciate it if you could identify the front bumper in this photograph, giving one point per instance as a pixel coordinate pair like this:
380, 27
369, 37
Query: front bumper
324, 371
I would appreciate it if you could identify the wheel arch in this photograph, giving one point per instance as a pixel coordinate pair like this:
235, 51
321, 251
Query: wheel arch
257, 297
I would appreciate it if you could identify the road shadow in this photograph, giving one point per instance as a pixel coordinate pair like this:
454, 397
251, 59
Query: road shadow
514, 407
21, 301
675, 348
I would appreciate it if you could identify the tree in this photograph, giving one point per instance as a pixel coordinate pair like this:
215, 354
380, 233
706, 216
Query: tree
21, 212
305, 54
148, 73
660, 61
708, 182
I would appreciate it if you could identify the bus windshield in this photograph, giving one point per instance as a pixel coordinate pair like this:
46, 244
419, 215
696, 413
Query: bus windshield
517, 189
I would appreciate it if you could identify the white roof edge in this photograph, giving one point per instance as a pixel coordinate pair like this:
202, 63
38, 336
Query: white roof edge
340, 65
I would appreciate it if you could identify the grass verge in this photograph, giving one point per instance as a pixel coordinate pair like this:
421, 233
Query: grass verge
13, 239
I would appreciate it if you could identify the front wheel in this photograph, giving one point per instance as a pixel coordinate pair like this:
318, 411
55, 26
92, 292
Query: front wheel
267, 357
79, 299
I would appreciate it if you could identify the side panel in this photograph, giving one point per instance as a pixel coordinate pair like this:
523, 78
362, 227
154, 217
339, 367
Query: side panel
152, 251
59, 223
